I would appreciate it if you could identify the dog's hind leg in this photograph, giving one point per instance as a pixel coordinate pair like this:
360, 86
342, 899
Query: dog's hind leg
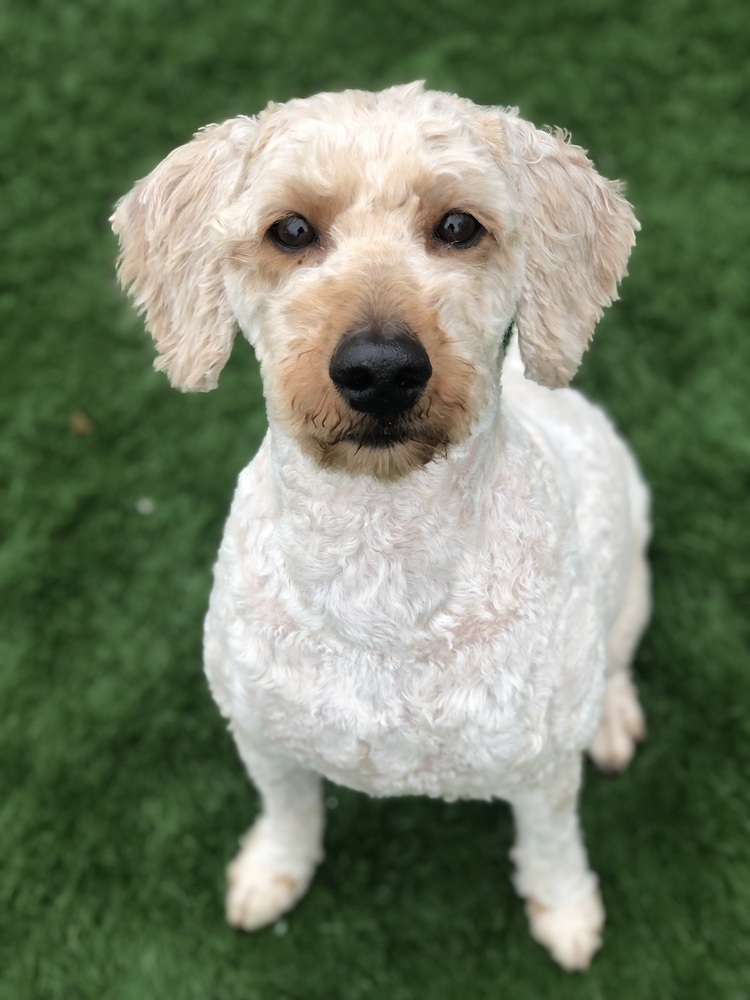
281, 851
622, 724
552, 873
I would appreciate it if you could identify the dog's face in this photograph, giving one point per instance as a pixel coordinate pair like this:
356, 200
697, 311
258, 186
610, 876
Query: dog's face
374, 263
374, 248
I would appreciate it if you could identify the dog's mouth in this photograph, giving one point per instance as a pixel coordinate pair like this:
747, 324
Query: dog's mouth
386, 449
379, 434
385, 438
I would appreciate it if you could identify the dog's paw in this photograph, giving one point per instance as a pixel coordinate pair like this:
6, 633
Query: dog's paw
265, 880
572, 934
621, 728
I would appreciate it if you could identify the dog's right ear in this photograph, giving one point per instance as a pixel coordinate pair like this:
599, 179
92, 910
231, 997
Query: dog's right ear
579, 231
169, 257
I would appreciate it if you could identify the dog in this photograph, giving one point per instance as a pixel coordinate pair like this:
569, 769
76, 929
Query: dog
433, 577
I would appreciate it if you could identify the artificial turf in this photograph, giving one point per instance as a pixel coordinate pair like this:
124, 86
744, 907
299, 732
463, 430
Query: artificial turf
121, 798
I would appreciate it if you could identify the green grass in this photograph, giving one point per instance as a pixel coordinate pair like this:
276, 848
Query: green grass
120, 795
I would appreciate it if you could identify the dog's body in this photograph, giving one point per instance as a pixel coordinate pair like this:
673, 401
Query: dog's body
411, 638
426, 587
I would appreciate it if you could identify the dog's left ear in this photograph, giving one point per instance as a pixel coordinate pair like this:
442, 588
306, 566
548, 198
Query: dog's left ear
578, 230
169, 259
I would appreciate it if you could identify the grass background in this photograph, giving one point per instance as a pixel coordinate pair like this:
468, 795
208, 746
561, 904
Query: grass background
120, 795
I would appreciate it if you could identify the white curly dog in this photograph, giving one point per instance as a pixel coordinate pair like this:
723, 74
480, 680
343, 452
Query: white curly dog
426, 585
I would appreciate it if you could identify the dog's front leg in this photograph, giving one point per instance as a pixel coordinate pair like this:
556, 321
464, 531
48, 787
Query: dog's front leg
280, 852
552, 873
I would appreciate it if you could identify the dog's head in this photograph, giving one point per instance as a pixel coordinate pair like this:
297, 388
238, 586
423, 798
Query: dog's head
374, 248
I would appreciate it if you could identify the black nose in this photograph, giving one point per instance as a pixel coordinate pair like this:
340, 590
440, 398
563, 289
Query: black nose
380, 372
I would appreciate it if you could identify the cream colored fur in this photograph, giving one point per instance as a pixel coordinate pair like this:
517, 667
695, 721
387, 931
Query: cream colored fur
454, 616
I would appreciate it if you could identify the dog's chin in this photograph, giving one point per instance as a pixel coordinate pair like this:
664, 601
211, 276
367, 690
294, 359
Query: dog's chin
383, 450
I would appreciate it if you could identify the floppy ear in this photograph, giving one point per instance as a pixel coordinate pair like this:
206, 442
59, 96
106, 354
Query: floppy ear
579, 230
169, 258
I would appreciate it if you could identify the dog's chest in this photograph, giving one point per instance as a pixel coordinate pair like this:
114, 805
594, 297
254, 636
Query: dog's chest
389, 682
397, 725
390, 661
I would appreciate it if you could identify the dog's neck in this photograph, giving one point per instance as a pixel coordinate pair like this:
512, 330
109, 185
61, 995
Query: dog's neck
449, 486
374, 561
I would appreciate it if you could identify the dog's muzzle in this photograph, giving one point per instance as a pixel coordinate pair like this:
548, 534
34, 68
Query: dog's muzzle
380, 371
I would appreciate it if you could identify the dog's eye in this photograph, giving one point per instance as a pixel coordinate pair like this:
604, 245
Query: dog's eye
458, 229
293, 232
